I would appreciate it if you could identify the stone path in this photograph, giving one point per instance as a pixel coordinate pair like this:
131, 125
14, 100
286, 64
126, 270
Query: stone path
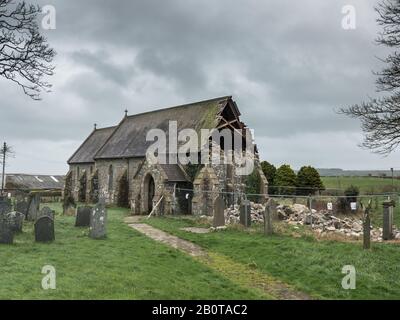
173, 241
238, 273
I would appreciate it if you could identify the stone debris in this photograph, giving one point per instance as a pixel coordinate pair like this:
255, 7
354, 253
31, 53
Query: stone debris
322, 222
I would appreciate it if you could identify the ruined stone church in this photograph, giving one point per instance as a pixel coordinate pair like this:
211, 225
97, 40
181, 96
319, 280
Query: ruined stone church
111, 163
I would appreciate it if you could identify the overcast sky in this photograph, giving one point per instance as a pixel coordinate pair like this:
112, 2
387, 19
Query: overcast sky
288, 64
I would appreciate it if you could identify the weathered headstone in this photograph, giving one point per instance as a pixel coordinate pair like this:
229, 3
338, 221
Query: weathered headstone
98, 220
15, 220
44, 229
269, 213
22, 207
5, 206
219, 208
245, 213
46, 211
83, 216
33, 207
388, 220
6, 233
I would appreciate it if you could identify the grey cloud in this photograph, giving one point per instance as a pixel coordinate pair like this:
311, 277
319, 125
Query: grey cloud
289, 64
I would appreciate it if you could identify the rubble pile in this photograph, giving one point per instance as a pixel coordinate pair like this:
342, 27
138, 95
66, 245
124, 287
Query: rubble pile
322, 222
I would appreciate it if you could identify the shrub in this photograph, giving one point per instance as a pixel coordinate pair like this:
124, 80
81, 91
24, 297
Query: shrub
253, 183
308, 181
285, 180
269, 171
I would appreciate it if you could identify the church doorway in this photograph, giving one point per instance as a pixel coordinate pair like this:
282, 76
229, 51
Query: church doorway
149, 192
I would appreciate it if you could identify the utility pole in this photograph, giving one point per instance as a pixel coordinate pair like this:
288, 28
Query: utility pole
4, 166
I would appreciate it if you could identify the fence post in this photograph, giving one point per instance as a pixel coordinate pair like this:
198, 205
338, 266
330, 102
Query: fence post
387, 220
268, 214
367, 228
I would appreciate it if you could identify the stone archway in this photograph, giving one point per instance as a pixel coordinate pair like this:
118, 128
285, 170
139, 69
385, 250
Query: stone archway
148, 193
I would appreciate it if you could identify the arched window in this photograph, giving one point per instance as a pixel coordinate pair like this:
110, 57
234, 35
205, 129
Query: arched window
110, 177
77, 173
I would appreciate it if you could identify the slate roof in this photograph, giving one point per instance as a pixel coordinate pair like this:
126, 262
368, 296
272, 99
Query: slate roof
86, 152
34, 182
128, 140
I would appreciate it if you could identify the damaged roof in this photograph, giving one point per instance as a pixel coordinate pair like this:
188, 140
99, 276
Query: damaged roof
129, 138
34, 182
174, 173
86, 152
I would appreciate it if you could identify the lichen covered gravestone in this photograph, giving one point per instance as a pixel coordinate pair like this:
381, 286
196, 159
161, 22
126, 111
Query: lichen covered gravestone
245, 213
98, 220
22, 207
15, 221
269, 213
5, 206
44, 229
6, 233
46, 211
219, 208
33, 208
83, 217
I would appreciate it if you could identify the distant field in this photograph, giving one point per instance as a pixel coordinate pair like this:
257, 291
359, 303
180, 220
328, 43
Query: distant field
365, 184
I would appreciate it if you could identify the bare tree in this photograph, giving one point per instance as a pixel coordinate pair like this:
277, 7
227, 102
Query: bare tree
380, 118
5, 152
25, 56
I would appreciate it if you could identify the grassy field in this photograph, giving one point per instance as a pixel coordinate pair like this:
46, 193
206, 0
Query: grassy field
365, 184
127, 265
309, 265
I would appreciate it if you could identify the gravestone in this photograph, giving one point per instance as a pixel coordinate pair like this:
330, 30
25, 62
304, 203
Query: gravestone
15, 220
46, 211
388, 220
245, 213
5, 206
44, 229
33, 207
98, 220
83, 216
269, 213
219, 208
22, 207
6, 233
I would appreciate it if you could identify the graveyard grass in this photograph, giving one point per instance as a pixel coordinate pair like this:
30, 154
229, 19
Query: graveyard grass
127, 265
310, 265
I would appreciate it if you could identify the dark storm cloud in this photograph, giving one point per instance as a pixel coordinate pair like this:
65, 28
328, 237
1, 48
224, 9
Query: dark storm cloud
289, 65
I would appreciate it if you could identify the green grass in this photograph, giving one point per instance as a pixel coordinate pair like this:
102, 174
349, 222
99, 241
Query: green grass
127, 265
309, 265
365, 184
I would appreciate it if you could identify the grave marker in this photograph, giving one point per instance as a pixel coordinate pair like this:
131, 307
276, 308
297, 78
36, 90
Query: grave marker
46, 211
15, 220
44, 229
219, 209
83, 216
245, 213
33, 208
6, 233
98, 220
269, 213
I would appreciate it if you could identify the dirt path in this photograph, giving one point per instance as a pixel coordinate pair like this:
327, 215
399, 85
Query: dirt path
241, 274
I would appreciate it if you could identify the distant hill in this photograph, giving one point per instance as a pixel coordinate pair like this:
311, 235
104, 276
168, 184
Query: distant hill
333, 172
